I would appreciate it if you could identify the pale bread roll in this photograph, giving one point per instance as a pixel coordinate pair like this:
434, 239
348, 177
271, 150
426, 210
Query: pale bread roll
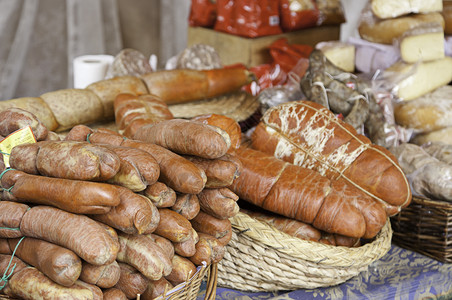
74, 106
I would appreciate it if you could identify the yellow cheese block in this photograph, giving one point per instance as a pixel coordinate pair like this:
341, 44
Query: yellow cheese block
430, 112
384, 31
423, 43
386, 9
421, 78
341, 54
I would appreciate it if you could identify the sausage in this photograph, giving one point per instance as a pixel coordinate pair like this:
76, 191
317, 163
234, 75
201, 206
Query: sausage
160, 194
104, 276
218, 249
137, 168
83, 197
180, 86
143, 254
175, 171
173, 226
30, 283
60, 264
156, 288
6, 264
89, 240
183, 270
11, 214
114, 294
220, 203
186, 137
108, 89
206, 223
134, 214
166, 245
187, 205
131, 281
220, 172
66, 159
231, 126
188, 247
147, 107
13, 118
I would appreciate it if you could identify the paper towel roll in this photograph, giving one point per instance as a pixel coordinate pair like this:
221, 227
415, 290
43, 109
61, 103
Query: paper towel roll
90, 68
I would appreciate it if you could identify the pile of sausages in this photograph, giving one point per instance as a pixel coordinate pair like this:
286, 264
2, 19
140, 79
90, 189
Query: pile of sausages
98, 215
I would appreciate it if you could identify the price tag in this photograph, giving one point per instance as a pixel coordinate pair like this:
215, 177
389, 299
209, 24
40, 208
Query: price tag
22, 136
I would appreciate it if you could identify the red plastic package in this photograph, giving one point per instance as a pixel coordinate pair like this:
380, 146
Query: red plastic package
248, 18
288, 55
298, 14
203, 13
225, 21
255, 18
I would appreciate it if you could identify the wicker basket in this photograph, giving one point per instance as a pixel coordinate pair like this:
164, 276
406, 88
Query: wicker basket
425, 226
262, 258
188, 290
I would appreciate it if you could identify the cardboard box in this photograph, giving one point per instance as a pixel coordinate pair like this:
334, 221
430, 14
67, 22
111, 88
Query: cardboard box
254, 51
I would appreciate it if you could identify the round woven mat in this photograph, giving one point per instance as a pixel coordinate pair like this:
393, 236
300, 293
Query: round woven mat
238, 106
261, 258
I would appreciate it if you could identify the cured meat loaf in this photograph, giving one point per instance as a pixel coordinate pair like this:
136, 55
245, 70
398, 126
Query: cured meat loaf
309, 135
305, 195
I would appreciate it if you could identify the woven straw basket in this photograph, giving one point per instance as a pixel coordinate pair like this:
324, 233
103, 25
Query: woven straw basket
425, 226
188, 290
262, 258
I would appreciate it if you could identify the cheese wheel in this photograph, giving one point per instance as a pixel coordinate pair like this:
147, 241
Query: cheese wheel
386, 9
341, 54
422, 43
421, 78
384, 31
430, 112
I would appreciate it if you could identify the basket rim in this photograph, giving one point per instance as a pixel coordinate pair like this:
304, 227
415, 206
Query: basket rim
318, 253
431, 202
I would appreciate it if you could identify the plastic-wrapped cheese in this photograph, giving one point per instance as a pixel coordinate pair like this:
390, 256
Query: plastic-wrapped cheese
422, 43
430, 112
421, 78
386, 9
385, 31
341, 54
443, 135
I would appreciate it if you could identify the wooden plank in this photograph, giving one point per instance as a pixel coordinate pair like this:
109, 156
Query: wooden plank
15, 62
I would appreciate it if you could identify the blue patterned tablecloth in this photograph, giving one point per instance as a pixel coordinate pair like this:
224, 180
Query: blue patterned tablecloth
400, 274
